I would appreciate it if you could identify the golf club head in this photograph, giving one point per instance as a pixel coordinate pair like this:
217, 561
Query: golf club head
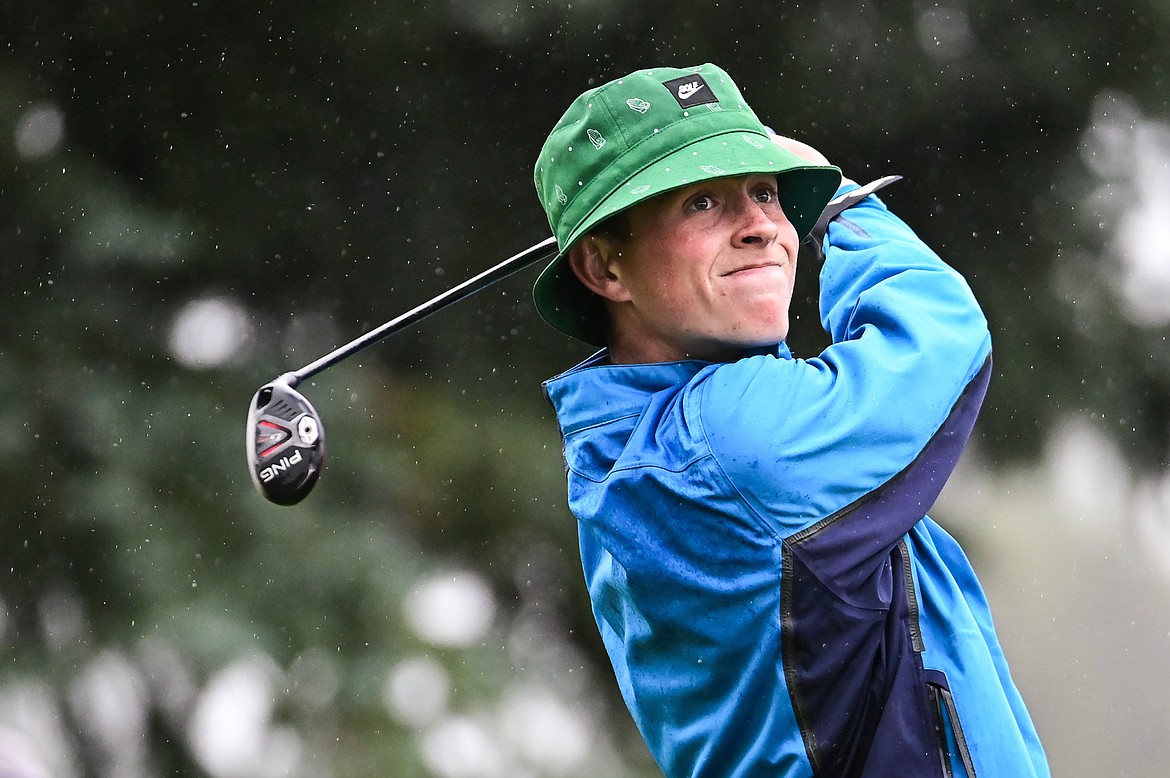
286, 443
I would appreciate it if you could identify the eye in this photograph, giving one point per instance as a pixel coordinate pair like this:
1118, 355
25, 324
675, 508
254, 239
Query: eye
701, 203
766, 194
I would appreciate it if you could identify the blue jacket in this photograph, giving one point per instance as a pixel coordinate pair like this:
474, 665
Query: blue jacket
772, 596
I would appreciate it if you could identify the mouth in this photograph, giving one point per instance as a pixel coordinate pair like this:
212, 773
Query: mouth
753, 268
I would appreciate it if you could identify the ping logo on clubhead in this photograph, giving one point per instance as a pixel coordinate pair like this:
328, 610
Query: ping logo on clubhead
280, 466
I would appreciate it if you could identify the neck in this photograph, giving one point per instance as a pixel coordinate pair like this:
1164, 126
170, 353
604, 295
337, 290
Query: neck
627, 351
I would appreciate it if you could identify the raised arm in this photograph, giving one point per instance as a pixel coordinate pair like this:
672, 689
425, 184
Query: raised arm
803, 439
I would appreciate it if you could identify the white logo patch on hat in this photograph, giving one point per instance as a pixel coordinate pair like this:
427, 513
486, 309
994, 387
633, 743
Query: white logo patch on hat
562, 198
596, 138
690, 91
638, 104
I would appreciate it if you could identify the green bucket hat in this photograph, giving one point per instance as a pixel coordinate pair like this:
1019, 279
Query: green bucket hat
639, 136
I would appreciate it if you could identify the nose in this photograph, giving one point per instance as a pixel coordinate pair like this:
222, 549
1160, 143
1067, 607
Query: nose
760, 224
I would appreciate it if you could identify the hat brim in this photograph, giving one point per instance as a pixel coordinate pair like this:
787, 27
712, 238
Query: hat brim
804, 190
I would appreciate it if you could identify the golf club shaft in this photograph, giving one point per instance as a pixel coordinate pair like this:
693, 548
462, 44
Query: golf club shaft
544, 250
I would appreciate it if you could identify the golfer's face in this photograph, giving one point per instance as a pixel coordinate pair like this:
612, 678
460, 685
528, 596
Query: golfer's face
708, 271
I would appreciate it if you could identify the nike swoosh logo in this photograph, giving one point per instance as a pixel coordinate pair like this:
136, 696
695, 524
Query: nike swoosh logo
686, 90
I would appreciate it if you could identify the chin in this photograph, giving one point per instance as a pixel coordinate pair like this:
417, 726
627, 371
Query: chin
768, 336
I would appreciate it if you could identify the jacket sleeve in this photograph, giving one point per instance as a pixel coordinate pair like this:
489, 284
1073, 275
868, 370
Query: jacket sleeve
803, 440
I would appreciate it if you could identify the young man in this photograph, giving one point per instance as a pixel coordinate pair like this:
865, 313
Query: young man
773, 598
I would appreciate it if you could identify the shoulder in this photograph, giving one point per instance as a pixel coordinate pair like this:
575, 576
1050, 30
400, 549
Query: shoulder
751, 409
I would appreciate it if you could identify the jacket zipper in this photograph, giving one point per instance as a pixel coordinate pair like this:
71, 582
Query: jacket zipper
950, 712
939, 688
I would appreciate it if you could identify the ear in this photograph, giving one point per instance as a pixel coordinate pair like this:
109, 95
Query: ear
594, 260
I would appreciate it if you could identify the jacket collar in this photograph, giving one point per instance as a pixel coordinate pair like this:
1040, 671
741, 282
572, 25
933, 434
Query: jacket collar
596, 391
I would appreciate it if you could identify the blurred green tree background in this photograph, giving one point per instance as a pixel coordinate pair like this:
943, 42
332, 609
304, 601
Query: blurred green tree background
195, 198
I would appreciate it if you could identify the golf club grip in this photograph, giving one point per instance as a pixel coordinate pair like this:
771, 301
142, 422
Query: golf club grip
545, 250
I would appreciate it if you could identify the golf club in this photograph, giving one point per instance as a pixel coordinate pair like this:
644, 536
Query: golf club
285, 437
